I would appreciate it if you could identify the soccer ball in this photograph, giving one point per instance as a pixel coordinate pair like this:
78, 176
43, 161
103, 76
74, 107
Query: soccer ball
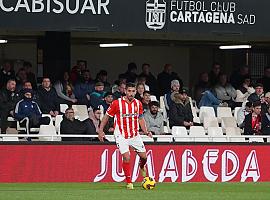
148, 183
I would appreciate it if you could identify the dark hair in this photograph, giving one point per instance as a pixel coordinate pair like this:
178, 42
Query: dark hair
130, 85
132, 66
153, 103
27, 64
69, 108
256, 103
145, 64
96, 108
139, 84
249, 104
146, 92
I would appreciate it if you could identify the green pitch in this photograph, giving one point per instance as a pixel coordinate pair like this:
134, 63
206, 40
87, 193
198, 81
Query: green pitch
117, 191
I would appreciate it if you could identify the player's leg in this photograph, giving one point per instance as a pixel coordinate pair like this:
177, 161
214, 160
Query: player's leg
137, 144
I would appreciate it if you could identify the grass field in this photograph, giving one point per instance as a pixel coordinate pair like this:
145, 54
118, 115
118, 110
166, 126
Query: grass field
117, 191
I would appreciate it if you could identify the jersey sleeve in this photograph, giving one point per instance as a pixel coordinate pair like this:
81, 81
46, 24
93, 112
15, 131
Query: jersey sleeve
112, 110
140, 109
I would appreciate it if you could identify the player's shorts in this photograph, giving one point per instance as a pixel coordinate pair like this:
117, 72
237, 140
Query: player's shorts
123, 144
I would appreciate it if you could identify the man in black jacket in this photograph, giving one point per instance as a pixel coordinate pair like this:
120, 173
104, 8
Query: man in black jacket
48, 99
8, 100
253, 120
180, 110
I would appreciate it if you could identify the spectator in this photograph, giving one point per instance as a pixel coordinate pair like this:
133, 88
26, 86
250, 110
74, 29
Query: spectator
154, 119
180, 110
97, 96
252, 122
142, 79
202, 85
266, 122
82, 64
265, 80
28, 85
175, 87
242, 113
30, 109
8, 100
243, 92
120, 90
139, 91
108, 99
214, 74
209, 99
30, 75
94, 115
72, 126
151, 81
130, 74
75, 75
84, 88
164, 79
21, 77
224, 90
48, 98
258, 94
238, 76
266, 102
102, 76
65, 90
146, 100
7, 73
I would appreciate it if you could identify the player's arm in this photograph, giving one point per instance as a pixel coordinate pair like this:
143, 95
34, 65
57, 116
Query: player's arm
143, 127
101, 134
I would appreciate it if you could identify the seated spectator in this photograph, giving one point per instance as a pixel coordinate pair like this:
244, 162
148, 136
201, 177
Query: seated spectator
30, 109
175, 87
65, 90
142, 79
102, 76
84, 88
266, 102
96, 97
28, 85
266, 122
224, 90
146, 100
8, 100
151, 81
265, 80
252, 122
49, 103
72, 126
180, 110
21, 77
7, 73
121, 89
214, 74
94, 115
243, 111
243, 92
239, 75
257, 95
130, 74
154, 119
209, 99
75, 75
139, 91
30, 75
202, 85
108, 99
164, 79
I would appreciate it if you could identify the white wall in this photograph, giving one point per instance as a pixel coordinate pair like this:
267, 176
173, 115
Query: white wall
115, 60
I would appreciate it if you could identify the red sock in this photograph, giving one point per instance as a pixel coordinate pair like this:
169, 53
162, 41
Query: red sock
126, 169
142, 162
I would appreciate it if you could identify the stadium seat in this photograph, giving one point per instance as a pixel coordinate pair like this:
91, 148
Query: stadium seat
111, 138
153, 98
20, 128
228, 122
236, 110
256, 139
216, 134
236, 133
63, 107
224, 112
164, 138
145, 138
206, 112
198, 134
6, 138
180, 134
210, 122
48, 115
48, 130
58, 120
80, 111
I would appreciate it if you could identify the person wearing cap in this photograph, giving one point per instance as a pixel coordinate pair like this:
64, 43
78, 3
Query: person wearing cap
258, 94
175, 87
180, 110
27, 108
97, 96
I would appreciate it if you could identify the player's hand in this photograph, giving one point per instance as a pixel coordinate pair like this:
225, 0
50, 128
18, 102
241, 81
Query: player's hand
149, 134
101, 136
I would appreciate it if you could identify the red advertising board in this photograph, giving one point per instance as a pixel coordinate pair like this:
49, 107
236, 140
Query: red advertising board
166, 163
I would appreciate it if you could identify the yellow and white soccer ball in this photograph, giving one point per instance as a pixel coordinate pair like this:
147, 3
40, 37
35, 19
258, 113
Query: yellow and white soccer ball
148, 183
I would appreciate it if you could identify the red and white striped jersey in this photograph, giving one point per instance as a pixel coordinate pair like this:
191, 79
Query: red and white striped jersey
126, 115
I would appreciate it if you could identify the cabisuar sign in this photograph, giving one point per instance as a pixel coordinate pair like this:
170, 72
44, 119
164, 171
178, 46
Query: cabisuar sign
57, 6
182, 11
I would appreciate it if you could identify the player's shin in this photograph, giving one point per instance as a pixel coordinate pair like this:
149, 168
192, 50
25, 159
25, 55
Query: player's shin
142, 166
126, 168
